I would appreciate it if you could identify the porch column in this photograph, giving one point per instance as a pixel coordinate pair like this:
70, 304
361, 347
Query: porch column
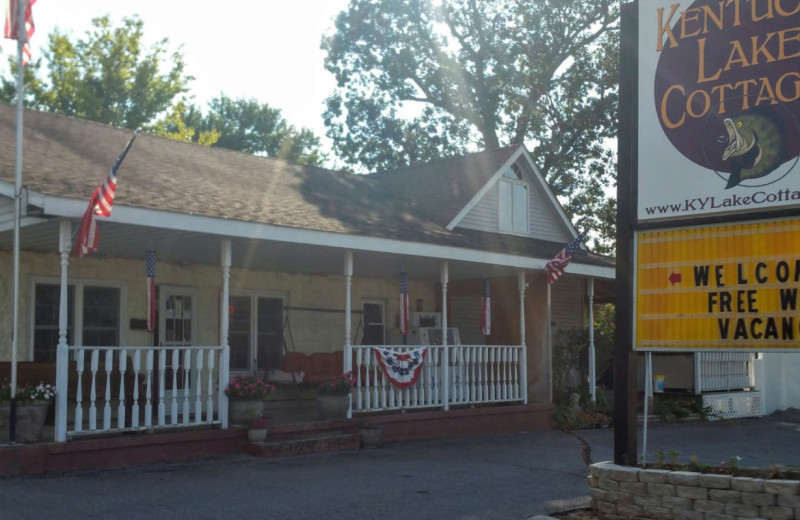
592, 374
348, 309
224, 360
62, 350
445, 349
521, 286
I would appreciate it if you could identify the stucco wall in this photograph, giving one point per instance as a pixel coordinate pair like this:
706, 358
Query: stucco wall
312, 331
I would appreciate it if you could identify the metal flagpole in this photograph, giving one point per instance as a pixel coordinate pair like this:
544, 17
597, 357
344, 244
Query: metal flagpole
22, 37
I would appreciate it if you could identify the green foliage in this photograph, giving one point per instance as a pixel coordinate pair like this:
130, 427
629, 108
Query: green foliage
565, 418
174, 126
252, 127
677, 408
108, 76
571, 354
421, 79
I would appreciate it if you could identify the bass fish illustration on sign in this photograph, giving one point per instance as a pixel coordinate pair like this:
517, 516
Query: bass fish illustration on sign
726, 88
755, 146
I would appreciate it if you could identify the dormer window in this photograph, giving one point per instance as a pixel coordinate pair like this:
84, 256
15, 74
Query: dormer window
513, 202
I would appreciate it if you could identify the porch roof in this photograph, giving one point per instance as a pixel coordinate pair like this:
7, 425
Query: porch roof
67, 158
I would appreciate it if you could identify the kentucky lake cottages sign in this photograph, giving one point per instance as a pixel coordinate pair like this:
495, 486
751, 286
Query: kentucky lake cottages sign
715, 178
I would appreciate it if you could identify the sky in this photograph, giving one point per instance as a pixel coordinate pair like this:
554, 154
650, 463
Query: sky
263, 49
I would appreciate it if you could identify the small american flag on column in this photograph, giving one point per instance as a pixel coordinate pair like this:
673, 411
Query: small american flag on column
555, 267
403, 303
486, 310
150, 267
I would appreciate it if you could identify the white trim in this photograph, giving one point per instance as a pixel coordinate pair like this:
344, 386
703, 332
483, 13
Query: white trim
484, 190
64, 207
23, 222
77, 324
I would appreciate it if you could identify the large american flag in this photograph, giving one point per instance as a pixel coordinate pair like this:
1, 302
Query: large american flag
150, 267
12, 26
486, 310
99, 205
403, 303
555, 267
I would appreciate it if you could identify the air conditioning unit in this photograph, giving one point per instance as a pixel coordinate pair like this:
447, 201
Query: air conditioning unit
425, 319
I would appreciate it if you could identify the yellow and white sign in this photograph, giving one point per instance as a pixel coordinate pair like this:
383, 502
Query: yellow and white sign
727, 287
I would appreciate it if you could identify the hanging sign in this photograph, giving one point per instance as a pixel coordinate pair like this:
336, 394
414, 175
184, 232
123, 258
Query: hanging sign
729, 287
718, 107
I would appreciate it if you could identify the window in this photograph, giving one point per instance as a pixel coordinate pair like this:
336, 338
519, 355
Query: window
373, 323
513, 204
96, 324
255, 333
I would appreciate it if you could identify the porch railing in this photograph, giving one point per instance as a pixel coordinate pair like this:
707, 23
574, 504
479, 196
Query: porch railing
114, 389
724, 371
475, 374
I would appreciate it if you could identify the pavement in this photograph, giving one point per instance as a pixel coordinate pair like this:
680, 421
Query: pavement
493, 477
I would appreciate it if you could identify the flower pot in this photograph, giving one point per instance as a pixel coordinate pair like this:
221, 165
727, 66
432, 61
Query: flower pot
333, 406
243, 411
370, 435
256, 434
30, 420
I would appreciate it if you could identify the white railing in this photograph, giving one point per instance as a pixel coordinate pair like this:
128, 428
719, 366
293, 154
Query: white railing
724, 371
114, 389
476, 374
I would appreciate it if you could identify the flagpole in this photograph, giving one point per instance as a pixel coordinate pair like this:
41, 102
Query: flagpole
22, 37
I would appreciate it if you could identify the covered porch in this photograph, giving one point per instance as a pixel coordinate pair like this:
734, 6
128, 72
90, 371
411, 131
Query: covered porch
174, 378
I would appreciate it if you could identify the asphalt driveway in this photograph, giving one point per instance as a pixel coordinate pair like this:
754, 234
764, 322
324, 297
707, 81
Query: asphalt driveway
508, 477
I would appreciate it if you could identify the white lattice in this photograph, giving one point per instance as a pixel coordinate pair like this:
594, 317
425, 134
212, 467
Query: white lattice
733, 405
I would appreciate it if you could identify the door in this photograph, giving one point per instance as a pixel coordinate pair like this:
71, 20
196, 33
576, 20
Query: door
374, 324
177, 328
255, 332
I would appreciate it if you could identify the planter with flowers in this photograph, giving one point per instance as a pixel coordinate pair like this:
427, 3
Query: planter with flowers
257, 432
333, 396
246, 394
33, 401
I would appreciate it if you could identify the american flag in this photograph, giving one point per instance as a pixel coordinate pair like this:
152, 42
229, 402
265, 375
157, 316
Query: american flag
486, 310
12, 26
99, 204
403, 303
555, 267
150, 267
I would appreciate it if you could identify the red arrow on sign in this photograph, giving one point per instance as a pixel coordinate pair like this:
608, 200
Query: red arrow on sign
675, 278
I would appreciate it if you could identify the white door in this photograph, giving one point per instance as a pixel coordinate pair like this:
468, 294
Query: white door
177, 328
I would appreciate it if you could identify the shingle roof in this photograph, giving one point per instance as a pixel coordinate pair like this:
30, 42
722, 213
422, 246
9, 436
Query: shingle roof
69, 157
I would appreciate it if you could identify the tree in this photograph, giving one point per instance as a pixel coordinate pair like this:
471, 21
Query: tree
252, 127
419, 79
173, 126
108, 76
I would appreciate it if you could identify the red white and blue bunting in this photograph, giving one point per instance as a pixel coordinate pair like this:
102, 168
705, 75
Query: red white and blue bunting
402, 369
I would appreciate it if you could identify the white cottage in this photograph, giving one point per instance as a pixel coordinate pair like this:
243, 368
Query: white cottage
249, 249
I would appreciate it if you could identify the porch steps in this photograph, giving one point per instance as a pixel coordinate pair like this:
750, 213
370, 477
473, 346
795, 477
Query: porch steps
300, 444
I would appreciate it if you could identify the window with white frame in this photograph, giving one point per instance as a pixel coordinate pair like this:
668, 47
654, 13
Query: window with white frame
255, 333
374, 323
94, 316
513, 203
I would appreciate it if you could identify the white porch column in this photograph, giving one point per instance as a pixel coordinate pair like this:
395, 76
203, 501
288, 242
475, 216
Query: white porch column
521, 286
224, 361
348, 309
445, 275
62, 350
592, 374
549, 315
